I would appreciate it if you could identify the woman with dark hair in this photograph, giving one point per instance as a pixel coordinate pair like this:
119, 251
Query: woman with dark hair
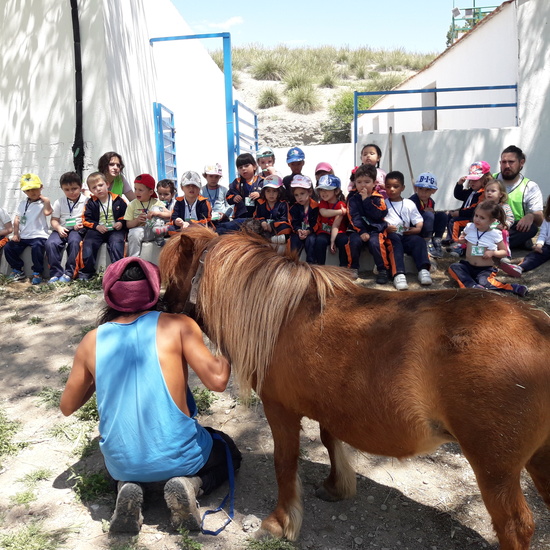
111, 165
137, 363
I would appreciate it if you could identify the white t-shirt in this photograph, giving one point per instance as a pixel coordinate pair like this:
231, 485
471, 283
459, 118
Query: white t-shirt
402, 213
4, 219
65, 209
489, 239
32, 222
544, 235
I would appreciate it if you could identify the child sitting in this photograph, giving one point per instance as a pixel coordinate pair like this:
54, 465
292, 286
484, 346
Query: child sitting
266, 162
478, 174
495, 192
371, 155
145, 213
30, 228
331, 224
403, 234
216, 193
541, 250
166, 190
483, 244
434, 223
243, 193
272, 212
367, 210
191, 208
66, 224
6, 227
103, 223
303, 214
295, 158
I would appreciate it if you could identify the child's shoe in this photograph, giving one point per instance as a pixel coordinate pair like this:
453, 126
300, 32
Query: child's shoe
435, 249
161, 230
520, 290
160, 242
457, 250
400, 282
511, 269
382, 277
36, 278
65, 279
16, 275
53, 280
424, 277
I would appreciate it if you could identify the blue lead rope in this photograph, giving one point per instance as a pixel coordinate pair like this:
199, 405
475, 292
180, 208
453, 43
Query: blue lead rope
230, 495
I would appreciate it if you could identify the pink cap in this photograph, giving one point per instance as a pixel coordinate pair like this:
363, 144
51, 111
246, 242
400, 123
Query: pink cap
324, 166
478, 170
301, 181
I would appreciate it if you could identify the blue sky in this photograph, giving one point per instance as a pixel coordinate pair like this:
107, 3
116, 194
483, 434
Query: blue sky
419, 26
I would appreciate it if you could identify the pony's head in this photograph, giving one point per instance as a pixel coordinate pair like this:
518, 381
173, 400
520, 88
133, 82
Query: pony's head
179, 261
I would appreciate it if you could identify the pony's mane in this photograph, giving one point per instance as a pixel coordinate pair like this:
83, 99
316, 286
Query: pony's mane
249, 292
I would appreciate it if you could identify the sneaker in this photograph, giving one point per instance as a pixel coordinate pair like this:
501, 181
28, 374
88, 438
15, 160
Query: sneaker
354, 273
424, 277
511, 269
180, 494
36, 278
161, 230
457, 250
400, 282
480, 287
65, 278
127, 517
382, 277
435, 249
16, 275
160, 242
520, 290
53, 280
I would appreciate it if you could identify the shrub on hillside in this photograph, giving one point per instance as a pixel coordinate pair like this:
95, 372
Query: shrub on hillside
303, 100
269, 67
328, 80
269, 97
297, 79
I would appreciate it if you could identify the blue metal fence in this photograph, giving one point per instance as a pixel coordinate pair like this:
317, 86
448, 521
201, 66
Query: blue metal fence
165, 138
357, 95
245, 142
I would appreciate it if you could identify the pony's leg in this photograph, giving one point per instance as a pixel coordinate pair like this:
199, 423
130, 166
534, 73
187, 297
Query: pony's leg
286, 519
539, 470
341, 483
501, 492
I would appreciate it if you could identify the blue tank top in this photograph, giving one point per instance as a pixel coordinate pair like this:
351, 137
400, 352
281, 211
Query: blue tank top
144, 436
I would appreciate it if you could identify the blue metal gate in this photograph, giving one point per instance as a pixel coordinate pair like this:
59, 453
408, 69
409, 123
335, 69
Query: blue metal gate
245, 142
165, 137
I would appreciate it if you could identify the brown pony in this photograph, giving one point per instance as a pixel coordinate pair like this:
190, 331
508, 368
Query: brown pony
390, 373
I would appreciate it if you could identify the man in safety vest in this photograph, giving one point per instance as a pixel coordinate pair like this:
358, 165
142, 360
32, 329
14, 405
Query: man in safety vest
524, 197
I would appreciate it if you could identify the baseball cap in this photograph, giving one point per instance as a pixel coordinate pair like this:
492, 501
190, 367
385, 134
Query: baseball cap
323, 166
329, 182
295, 155
426, 180
213, 169
30, 181
190, 178
264, 152
301, 181
128, 295
148, 181
273, 181
478, 169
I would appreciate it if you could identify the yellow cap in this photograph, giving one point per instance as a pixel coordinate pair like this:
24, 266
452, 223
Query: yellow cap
30, 181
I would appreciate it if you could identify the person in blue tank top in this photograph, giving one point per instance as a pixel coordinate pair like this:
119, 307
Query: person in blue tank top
137, 363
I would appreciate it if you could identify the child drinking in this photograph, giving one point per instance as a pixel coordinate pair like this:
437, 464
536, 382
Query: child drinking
483, 244
303, 214
541, 250
403, 234
331, 225
367, 210
272, 211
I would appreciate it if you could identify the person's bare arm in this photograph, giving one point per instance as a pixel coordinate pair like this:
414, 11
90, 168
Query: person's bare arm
8, 228
80, 385
212, 370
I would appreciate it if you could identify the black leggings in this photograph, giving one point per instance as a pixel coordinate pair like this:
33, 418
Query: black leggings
215, 472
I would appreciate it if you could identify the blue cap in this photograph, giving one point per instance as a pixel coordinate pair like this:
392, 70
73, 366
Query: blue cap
295, 155
426, 180
329, 182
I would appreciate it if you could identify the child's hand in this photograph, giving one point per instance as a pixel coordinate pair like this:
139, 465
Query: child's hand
454, 213
461, 180
391, 229
117, 226
254, 196
488, 254
333, 247
101, 228
63, 231
78, 224
237, 199
185, 225
266, 226
142, 218
364, 194
365, 237
538, 248
461, 239
343, 210
179, 222
16, 238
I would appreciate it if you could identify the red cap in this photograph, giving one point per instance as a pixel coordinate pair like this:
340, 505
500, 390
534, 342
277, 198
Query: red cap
148, 181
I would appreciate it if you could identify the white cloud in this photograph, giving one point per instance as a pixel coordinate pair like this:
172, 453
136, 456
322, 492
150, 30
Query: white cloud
226, 25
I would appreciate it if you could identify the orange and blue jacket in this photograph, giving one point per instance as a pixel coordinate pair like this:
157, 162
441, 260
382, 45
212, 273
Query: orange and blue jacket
203, 210
298, 219
240, 187
367, 215
277, 216
92, 211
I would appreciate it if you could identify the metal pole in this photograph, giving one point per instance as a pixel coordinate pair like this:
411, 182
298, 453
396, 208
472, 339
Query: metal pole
354, 128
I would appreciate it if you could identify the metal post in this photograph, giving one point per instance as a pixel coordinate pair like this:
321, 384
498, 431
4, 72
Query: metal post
354, 128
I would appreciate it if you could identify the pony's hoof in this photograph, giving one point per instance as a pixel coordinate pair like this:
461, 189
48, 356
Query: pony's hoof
270, 528
323, 493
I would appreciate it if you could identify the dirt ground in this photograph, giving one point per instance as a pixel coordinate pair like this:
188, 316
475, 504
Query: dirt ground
431, 502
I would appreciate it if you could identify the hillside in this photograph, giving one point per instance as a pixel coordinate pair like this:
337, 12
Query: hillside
304, 96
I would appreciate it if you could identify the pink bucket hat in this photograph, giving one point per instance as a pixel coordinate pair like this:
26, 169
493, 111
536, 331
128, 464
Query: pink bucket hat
478, 170
131, 296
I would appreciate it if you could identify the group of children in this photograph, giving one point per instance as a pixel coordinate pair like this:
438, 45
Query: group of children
292, 213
